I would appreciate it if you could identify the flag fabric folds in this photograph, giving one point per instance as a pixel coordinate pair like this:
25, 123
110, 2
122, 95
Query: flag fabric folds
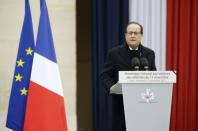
45, 106
21, 79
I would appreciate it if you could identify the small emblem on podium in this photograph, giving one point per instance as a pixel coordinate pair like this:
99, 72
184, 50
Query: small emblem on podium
148, 97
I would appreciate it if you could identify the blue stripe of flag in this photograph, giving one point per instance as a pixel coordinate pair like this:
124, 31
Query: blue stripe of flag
44, 43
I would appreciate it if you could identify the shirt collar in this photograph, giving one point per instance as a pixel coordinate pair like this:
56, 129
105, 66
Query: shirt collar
133, 49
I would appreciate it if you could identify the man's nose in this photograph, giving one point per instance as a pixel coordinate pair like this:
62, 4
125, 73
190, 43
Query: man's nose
133, 35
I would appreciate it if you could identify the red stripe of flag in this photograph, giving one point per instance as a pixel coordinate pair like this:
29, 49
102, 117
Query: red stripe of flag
50, 112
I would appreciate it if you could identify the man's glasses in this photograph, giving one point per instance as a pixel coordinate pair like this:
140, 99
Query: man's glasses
135, 33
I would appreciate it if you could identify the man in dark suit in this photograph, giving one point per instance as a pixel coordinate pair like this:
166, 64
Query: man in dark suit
119, 59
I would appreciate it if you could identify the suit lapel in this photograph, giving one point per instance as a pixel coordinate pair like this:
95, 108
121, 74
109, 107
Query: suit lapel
124, 53
143, 51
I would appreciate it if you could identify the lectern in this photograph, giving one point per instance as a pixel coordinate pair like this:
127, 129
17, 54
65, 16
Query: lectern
147, 99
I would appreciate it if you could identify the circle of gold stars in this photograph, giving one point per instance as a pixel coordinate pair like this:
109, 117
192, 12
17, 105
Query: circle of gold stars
18, 77
23, 91
20, 63
29, 51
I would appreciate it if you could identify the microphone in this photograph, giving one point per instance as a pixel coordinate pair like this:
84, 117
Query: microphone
135, 63
144, 64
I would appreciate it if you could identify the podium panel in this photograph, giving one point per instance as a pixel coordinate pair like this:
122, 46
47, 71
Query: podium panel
147, 106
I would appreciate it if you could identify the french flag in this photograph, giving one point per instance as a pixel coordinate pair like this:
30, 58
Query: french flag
45, 109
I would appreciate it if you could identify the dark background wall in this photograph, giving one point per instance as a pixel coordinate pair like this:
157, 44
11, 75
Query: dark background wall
83, 65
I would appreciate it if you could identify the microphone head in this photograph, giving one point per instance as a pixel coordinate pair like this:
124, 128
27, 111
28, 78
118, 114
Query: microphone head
144, 63
135, 63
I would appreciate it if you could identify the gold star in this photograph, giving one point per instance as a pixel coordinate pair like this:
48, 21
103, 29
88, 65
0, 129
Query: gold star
24, 91
20, 63
18, 77
29, 51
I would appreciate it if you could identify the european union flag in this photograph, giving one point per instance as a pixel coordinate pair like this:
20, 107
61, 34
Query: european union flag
21, 79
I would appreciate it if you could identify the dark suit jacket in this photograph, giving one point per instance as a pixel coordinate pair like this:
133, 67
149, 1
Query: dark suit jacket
119, 59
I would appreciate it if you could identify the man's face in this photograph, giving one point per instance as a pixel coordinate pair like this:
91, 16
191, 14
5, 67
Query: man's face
133, 35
